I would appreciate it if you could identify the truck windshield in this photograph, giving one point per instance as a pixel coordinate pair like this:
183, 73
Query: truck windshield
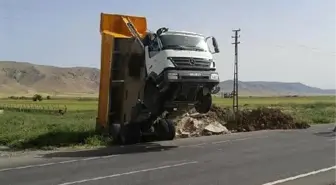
183, 42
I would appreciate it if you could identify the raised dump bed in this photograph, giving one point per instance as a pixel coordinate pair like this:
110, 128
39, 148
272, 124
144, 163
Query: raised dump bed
120, 113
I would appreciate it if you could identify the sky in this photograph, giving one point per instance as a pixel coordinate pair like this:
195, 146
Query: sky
281, 40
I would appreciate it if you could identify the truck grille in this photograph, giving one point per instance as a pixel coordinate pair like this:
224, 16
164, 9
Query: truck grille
190, 62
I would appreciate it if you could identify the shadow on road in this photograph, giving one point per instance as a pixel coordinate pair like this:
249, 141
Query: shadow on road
326, 134
51, 139
112, 150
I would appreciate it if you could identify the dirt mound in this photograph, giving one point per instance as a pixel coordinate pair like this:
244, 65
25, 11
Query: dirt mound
195, 124
265, 118
222, 120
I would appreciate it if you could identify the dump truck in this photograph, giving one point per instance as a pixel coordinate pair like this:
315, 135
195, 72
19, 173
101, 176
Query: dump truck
145, 75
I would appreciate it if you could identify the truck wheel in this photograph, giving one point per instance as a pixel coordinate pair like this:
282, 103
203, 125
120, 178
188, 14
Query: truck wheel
130, 134
172, 129
204, 103
165, 129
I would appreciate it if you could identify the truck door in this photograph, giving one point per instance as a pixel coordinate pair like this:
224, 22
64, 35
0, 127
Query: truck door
150, 51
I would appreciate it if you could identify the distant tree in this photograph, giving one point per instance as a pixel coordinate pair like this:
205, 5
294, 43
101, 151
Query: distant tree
48, 97
37, 97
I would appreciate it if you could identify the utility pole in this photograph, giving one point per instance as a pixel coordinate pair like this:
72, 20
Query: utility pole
235, 73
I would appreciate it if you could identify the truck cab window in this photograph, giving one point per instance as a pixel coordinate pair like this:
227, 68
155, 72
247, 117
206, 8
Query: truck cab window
184, 42
153, 47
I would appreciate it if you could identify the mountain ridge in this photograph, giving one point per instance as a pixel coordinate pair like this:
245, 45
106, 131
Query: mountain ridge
28, 78
274, 88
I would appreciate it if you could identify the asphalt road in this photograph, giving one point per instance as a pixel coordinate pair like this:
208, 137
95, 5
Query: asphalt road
300, 157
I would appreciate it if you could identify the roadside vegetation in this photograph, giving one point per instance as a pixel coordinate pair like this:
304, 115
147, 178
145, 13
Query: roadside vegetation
313, 109
51, 122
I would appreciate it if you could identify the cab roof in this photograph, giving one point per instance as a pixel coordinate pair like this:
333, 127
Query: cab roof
172, 32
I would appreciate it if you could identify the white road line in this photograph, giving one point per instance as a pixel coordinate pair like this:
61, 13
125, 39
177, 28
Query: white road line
300, 176
129, 173
55, 163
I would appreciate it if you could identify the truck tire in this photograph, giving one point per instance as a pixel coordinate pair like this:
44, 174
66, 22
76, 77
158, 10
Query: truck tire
165, 129
172, 129
130, 134
204, 103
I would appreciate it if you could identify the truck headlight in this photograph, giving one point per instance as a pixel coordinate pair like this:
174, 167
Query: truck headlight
172, 76
214, 77
212, 64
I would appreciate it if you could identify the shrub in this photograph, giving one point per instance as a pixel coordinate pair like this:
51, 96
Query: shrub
37, 97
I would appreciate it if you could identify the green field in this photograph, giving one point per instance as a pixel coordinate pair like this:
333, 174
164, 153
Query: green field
71, 104
28, 124
256, 101
92, 104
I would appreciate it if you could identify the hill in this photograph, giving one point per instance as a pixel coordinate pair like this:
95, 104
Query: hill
274, 88
27, 78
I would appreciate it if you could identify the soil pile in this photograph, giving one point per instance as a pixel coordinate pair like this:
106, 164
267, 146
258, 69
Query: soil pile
195, 124
222, 120
264, 118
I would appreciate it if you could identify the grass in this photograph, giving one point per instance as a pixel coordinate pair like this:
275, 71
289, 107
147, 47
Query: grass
36, 130
22, 129
71, 104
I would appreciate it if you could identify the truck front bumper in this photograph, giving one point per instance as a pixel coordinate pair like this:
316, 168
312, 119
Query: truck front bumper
200, 77
190, 78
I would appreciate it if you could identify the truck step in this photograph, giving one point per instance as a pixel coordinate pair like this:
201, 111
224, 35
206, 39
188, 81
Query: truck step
170, 105
118, 81
117, 52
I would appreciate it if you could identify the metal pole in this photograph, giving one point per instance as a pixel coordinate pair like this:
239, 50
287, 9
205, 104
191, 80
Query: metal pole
235, 74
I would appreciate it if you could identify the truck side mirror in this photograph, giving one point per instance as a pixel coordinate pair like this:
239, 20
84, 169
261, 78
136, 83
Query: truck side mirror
161, 30
215, 45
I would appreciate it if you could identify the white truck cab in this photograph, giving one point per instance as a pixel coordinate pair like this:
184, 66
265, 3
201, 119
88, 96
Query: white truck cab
180, 70
174, 45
